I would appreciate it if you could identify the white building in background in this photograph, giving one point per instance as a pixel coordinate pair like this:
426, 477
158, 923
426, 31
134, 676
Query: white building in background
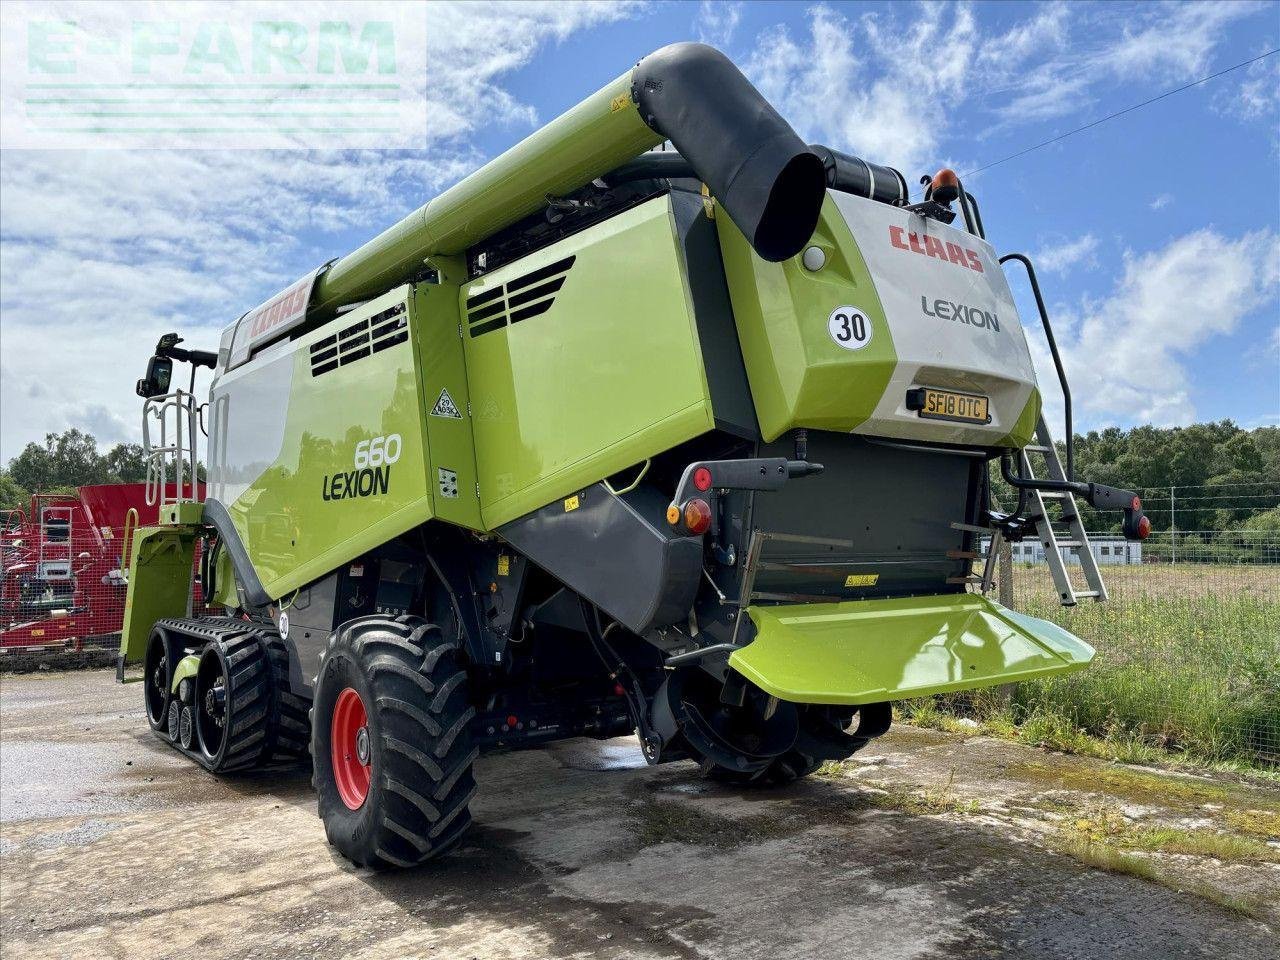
1106, 550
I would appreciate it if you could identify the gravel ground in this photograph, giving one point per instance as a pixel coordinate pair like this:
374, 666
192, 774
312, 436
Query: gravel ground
927, 845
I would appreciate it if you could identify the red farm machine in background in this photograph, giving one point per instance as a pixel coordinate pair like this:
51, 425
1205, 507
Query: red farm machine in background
63, 565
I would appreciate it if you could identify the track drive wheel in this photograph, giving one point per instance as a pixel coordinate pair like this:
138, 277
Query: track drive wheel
232, 702
157, 678
391, 742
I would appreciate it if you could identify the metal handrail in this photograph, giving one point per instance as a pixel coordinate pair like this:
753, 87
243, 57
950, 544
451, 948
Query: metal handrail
176, 410
1057, 358
130, 521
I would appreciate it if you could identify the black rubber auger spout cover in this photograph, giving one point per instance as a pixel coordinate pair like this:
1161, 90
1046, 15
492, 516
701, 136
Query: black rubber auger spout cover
767, 179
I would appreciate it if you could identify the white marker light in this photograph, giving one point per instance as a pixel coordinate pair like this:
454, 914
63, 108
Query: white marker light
814, 259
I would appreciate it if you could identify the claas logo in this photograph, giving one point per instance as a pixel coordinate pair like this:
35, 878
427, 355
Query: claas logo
284, 306
933, 247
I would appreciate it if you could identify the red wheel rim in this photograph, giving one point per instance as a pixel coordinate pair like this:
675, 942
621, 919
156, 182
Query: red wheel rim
349, 749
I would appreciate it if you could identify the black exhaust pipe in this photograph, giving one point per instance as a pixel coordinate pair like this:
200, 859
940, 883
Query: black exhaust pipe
768, 181
850, 174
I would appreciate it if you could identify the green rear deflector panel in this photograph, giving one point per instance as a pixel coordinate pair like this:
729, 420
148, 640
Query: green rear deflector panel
798, 376
611, 374
868, 651
161, 566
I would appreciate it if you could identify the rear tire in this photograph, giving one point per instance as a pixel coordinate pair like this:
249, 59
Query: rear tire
391, 742
822, 737
788, 768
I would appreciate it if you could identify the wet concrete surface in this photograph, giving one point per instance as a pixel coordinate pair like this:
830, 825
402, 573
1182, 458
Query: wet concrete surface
112, 845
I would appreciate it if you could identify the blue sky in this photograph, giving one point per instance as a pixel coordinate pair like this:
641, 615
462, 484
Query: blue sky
1157, 233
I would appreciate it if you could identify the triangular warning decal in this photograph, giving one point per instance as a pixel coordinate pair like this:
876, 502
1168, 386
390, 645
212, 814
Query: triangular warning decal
445, 407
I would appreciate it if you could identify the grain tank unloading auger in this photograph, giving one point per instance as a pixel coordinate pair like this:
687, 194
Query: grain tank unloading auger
694, 443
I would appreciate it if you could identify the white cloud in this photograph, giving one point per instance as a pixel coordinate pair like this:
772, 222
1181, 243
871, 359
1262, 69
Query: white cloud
717, 21
1162, 201
1126, 355
1062, 256
889, 84
858, 86
1173, 41
1257, 96
103, 251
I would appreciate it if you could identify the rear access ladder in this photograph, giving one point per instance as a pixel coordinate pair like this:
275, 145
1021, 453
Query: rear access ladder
1073, 535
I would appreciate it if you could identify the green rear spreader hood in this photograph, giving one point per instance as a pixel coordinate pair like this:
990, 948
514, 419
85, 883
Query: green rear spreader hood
868, 651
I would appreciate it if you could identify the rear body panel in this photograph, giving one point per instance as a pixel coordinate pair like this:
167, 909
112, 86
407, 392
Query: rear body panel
870, 651
936, 312
608, 373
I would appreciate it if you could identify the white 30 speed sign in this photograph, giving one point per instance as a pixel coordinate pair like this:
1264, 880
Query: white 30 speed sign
849, 327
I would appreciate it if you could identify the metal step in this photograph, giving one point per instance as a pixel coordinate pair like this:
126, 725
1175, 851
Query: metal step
1074, 535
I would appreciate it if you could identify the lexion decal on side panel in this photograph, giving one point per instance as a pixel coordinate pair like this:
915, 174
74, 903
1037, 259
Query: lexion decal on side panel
371, 473
518, 299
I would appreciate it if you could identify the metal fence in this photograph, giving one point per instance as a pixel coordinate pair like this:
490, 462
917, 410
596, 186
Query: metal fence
64, 593
1188, 649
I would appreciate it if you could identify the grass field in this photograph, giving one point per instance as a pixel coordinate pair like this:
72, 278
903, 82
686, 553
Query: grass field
1188, 661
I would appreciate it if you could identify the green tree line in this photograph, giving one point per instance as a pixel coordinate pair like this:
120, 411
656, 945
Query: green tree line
66, 461
1223, 477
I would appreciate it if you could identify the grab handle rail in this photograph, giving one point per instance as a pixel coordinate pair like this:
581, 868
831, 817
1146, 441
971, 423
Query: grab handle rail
1057, 358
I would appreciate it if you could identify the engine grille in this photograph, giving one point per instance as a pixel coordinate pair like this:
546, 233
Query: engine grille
518, 299
371, 335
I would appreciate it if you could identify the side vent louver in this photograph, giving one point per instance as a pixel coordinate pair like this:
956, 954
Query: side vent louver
518, 299
360, 340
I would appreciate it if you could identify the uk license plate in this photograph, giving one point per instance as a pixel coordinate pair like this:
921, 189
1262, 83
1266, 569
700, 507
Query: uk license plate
946, 405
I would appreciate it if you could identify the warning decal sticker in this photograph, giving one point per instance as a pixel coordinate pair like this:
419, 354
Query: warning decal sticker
445, 407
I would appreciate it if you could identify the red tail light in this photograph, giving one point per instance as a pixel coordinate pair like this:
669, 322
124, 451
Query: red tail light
697, 516
1144, 526
702, 479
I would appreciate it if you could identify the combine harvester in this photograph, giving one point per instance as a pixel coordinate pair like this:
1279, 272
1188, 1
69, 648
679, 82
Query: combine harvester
694, 443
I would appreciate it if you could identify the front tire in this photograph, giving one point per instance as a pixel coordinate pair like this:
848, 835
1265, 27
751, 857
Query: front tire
391, 742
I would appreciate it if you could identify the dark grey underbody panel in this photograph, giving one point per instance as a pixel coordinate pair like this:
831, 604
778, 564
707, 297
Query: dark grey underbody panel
894, 506
616, 552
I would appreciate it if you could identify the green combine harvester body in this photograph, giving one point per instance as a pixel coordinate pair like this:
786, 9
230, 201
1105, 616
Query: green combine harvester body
693, 443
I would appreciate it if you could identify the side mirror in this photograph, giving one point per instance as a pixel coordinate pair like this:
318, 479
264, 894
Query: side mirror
156, 382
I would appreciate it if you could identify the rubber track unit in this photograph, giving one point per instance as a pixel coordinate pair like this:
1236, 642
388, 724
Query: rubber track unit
290, 731
268, 723
414, 687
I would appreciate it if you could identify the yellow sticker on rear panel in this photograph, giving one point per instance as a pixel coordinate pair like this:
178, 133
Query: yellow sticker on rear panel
861, 579
504, 565
571, 503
